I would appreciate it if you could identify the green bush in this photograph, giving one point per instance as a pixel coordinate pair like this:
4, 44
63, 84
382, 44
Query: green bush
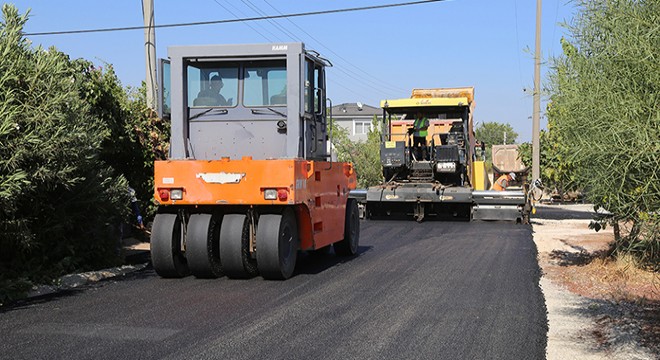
365, 155
71, 139
557, 169
137, 136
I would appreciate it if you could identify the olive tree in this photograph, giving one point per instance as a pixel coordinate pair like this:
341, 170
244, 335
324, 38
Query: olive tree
605, 107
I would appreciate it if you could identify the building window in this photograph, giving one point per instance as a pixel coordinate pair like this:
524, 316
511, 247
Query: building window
361, 127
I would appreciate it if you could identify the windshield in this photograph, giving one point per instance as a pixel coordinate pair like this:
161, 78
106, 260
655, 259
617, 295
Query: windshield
265, 83
212, 84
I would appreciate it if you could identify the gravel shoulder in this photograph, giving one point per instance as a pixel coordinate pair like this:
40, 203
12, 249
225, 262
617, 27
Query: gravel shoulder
592, 315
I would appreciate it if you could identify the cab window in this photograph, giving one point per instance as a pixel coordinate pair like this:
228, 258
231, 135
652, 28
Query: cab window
212, 84
264, 83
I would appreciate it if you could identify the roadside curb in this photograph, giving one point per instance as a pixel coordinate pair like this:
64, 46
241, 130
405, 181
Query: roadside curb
72, 281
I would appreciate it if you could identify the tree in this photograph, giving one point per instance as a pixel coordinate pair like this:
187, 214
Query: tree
493, 133
365, 156
605, 107
68, 134
557, 169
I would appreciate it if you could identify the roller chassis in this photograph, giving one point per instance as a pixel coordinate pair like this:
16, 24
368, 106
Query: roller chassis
248, 183
237, 241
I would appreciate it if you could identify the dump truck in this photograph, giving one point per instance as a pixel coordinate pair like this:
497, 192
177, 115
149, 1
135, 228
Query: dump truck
447, 182
248, 182
506, 160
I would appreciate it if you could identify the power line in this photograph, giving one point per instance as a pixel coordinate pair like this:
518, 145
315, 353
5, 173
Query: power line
248, 24
554, 28
310, 13
382, 83
515, 10
284, 30
293, 36
271, 21
368, 84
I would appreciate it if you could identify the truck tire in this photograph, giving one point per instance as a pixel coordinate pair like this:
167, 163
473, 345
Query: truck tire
202, 246
235, 247
166, 256
277, 245
349, 245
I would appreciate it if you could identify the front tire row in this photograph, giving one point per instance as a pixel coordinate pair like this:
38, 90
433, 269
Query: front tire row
218, 244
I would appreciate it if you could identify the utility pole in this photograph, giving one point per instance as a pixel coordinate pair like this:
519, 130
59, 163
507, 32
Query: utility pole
536, 114
150, 51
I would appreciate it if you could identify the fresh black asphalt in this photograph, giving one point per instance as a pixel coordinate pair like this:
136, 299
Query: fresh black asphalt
435, 290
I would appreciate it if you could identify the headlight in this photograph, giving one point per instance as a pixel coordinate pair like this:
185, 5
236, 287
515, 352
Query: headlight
176, 194
270, 194
445, 167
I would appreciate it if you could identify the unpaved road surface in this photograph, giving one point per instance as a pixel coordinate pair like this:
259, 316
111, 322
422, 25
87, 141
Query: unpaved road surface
436, 290
594, 325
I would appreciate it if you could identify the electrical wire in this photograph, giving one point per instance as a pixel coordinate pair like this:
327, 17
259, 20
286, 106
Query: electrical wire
382, 83
554, 28
350, 76
246, 23
366, 83
515, 11
349, 89
310, 13
288, 33
271, 21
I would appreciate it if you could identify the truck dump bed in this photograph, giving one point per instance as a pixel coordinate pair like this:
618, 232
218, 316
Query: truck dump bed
466, 92
506, 160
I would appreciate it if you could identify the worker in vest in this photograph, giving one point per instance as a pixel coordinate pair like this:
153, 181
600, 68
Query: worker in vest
504, 181
420, 130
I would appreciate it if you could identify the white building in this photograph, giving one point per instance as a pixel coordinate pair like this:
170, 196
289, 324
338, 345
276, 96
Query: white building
356, 118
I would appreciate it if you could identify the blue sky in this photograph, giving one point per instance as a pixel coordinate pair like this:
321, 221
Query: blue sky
378, 54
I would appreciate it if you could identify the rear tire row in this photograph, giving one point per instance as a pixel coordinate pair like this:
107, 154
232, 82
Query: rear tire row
219, 245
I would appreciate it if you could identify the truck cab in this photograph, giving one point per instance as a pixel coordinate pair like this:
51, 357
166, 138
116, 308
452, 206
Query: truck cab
274, 101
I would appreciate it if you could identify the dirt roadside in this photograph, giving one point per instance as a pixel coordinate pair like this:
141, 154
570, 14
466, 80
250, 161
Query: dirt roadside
597, 309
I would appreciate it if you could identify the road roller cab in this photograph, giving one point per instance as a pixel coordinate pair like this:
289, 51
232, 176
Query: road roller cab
249, 181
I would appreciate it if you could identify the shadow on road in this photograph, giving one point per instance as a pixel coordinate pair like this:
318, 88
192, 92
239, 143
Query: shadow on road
311, 264
61, 293
564, 212
439, 217
134, 257
307, 263
27, 303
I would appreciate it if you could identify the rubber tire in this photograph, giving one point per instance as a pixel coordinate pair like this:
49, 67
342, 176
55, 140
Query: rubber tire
235, 247
277, 245
349, 245
202, 246
166, 256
